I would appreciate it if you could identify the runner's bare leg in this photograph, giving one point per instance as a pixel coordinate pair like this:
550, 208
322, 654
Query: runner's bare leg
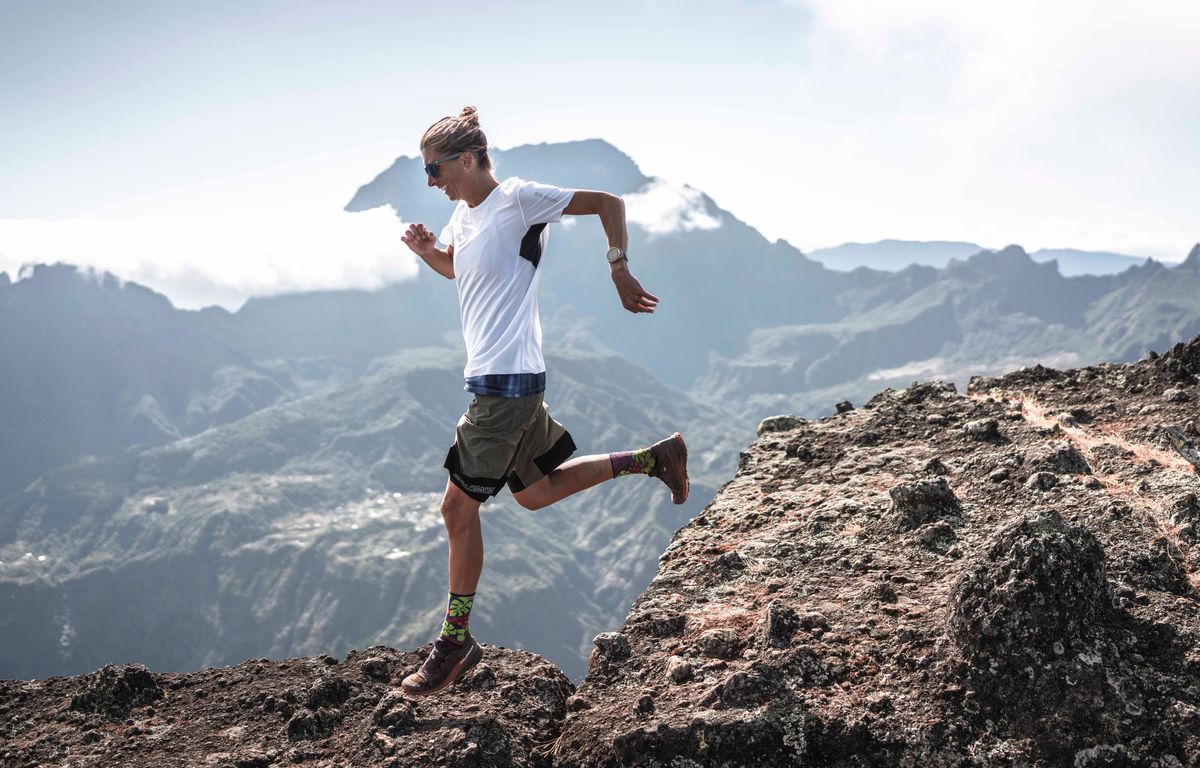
572, 477
461, 515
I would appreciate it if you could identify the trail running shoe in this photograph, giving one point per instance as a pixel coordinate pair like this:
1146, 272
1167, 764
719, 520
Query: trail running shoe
670, 466
442, 667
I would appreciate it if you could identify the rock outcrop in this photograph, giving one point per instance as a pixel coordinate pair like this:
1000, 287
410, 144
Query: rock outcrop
932, 579
1003, 577
306, 711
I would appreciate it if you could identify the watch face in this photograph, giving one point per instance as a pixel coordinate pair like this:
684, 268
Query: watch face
614, 253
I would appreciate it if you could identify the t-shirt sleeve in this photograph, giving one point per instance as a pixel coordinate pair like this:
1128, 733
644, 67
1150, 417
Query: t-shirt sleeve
450, 230
542, 203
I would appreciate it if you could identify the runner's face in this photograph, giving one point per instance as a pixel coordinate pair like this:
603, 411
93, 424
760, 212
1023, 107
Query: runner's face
451, 173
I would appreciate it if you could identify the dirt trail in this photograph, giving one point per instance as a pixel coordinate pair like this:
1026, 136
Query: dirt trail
1087, 440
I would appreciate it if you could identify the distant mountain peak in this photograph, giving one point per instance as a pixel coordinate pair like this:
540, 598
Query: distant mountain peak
1192, 261
582, 164
1007, 259
1013, 251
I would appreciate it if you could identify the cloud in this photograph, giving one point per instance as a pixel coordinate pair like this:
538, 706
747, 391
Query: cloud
662, 208
223, 259
1031, 122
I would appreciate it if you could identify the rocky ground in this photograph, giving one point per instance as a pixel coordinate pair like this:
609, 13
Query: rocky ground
1005, 577
1002, 578
306, 711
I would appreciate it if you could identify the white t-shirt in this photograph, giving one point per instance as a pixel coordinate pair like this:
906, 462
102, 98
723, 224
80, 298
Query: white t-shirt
498, 246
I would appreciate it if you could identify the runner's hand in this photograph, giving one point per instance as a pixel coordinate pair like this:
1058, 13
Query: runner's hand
634, 297
419, 239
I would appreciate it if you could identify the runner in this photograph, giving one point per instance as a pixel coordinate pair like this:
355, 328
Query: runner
495, 241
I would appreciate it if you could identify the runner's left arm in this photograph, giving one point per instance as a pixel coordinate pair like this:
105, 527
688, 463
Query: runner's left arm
611, 210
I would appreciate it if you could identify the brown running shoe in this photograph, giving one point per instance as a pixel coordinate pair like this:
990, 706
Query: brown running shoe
670, 466
442, 667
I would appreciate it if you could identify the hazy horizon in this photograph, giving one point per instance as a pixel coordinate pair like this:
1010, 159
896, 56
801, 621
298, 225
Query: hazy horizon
207, 151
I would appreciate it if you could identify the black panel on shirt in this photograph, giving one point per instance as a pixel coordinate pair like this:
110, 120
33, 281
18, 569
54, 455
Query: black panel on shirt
531, 245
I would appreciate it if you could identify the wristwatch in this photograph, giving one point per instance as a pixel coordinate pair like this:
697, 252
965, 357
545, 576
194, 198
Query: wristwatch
615, 254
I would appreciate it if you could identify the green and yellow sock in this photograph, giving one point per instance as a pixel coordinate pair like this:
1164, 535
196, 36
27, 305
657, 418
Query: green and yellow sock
454, 627
632, 462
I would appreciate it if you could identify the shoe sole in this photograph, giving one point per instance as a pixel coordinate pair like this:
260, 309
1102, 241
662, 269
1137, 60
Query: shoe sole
686, 483
469, 659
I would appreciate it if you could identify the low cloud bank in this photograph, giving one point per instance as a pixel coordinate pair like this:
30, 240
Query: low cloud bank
226, 259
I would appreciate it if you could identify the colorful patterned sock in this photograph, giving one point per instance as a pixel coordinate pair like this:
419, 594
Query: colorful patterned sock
632, 462
454, 627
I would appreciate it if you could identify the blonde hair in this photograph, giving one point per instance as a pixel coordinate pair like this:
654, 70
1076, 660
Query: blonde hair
458, 134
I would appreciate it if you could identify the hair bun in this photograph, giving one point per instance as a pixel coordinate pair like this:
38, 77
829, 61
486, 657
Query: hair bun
469, 115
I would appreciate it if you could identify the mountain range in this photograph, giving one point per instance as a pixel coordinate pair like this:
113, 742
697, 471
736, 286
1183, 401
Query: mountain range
266, 480
893, 255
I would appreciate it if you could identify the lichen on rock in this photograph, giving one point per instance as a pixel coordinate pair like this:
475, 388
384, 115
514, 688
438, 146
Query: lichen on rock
1040, 582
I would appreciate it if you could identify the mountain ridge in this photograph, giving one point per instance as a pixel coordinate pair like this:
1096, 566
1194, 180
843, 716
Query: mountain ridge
893, 254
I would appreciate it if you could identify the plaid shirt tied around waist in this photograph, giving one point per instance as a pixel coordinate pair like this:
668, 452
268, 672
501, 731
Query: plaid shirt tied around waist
507, 384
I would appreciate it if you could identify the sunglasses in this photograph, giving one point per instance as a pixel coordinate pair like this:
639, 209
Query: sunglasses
431, 168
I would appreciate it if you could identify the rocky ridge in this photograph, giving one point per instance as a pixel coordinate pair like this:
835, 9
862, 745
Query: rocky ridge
1004, 577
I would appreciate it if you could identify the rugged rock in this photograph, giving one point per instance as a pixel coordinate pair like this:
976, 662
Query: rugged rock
1041, 481
300, 711
923, 501
942, 618
115, 689
1061, 457
983, 429
783, 423
779, 625
1040, 585
612, 645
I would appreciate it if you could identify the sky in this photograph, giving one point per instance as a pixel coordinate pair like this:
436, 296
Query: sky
207, 149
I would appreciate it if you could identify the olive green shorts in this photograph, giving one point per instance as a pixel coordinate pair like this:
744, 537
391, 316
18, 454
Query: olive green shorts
506, 440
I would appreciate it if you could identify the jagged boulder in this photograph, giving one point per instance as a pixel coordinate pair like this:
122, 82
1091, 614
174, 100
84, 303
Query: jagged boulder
329, 691
781, 423
937, 536
1041, 481
780, 622
657, 622
920, 391
114, 689
1185, 356
679, 669
720, 643
375, 668
1061, 457
307, 724
613, 646
923, 501
740, 689
987, 429
393, 712
1039, 589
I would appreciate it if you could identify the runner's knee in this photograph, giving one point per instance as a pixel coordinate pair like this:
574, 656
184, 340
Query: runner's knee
530, 501
459, 511
535, 496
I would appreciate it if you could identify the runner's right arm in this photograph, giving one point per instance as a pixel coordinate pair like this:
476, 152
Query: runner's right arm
423, 243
